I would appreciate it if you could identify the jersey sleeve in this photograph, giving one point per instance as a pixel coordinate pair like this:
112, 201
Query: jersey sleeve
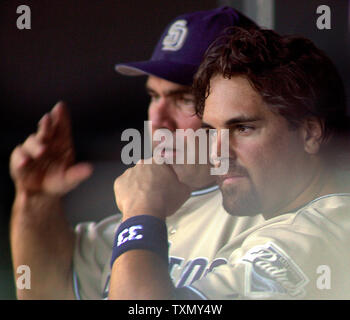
91, 254
303, 258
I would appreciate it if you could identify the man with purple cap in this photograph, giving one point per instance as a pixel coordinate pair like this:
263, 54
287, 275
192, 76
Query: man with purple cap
183, 43
43, 171
170, 71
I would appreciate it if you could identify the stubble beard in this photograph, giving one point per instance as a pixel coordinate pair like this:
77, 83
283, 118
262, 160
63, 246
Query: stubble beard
241, 198
237, 203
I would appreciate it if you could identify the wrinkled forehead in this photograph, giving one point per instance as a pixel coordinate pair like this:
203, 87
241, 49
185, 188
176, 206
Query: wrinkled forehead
165, 87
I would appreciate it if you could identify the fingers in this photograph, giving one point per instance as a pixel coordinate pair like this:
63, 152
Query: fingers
40, 143
77, 174
33, 147
61, 122
19, 159
55, 123
23, 155
44, 162
45, 129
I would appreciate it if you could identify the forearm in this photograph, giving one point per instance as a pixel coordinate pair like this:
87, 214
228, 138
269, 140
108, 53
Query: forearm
140, 251
140, 274
42, 239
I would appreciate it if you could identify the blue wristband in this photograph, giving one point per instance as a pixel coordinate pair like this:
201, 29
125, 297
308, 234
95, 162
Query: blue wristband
141, 232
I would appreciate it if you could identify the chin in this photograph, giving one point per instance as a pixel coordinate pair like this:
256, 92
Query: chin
240, 204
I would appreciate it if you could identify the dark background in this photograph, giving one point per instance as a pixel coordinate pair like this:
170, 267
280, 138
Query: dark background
69, 54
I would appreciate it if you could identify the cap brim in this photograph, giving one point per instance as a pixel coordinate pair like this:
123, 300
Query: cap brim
168, 70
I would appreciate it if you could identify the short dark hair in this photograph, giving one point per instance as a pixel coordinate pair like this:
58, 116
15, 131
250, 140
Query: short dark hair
293, 76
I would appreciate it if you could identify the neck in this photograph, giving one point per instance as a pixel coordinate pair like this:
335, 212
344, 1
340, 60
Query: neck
322, 183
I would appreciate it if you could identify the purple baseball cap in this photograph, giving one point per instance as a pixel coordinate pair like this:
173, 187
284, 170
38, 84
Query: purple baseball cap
182, 45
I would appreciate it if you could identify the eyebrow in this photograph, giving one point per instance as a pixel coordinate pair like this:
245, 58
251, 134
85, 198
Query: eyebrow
230, 122
174, 92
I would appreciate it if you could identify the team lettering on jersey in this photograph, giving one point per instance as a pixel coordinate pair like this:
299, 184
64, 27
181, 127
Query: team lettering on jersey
269, 270
193, 270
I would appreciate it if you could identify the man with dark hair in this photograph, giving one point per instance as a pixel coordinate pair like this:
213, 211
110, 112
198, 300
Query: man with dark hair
43, 171
290, 80
298, 83
283, 103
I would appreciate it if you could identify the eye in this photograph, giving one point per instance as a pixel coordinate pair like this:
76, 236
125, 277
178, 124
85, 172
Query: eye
244, 129
185, 103
154, 97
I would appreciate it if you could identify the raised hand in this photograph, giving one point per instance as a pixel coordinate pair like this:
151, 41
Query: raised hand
44, 163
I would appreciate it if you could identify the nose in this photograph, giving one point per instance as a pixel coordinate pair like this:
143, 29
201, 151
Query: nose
219, 145
161, 114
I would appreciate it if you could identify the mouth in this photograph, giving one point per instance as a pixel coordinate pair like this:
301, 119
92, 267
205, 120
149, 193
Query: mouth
230, 179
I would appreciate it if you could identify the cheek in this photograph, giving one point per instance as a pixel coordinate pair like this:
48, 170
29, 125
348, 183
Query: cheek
273, 164
264, 158
251, 155
151, 117
153, 113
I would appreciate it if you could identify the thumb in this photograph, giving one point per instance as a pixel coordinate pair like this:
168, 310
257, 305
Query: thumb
77, 174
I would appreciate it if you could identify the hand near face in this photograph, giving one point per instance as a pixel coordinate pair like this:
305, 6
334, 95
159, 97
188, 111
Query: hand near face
150, 189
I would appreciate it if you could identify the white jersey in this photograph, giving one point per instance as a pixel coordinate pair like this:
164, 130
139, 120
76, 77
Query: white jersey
196, 233
303, 254
297, 255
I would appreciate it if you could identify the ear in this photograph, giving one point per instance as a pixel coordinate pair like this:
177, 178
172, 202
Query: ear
313, 129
